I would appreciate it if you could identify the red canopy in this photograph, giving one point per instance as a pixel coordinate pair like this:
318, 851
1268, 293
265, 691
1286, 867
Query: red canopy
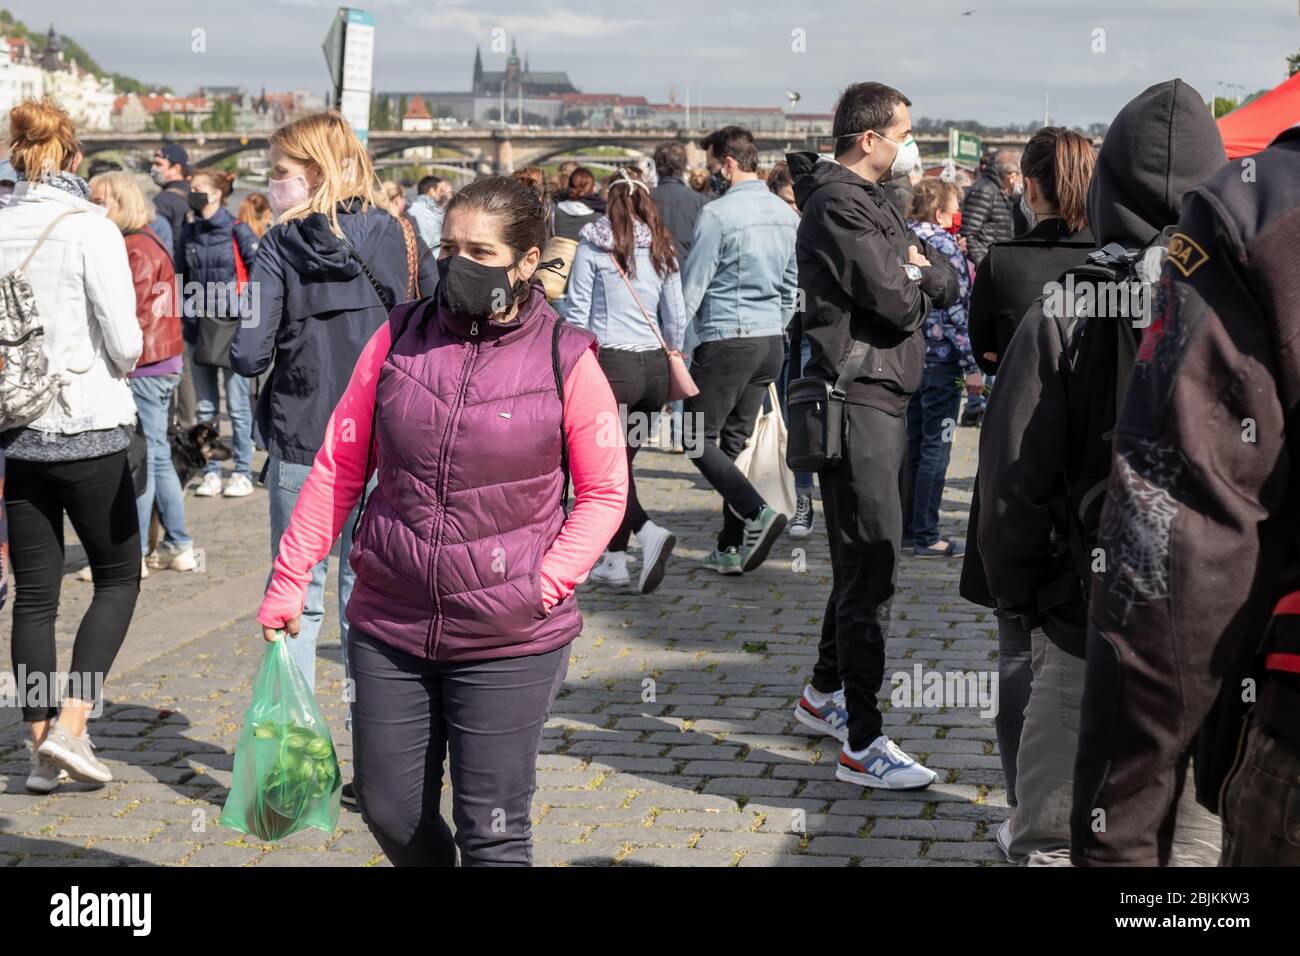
1250, 128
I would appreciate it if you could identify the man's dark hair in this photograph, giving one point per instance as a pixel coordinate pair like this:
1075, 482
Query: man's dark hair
670, 159
864, 106
98, 166
427, 183
736, 142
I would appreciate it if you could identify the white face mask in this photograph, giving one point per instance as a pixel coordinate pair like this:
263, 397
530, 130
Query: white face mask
905, 159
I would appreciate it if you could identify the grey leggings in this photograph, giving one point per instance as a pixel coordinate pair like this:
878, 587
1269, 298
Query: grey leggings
410, 714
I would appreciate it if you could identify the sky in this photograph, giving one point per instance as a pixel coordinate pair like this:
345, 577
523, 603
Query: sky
996, 65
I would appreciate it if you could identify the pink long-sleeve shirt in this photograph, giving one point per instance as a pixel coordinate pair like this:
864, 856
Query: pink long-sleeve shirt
597, 463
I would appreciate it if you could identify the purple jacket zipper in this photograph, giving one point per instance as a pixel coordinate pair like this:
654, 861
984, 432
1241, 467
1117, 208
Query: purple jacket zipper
444, 467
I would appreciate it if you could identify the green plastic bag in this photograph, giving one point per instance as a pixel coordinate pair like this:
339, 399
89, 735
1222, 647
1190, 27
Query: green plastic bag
286, 773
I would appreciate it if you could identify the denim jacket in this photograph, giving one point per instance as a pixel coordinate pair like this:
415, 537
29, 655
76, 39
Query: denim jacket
740, 277
598, 299
427, 216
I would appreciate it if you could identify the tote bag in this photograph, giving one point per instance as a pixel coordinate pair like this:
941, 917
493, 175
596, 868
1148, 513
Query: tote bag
762, 460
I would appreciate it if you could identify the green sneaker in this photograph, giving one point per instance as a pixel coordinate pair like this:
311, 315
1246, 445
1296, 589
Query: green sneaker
724, 562
760, 534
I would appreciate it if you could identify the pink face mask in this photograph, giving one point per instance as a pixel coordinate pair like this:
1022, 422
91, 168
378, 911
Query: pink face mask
286, 193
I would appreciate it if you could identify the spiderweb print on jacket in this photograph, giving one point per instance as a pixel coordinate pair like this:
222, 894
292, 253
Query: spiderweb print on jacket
1136, 528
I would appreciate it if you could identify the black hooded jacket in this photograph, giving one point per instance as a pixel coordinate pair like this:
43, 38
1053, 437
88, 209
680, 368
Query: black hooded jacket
1045, 452
316, 310
851, 249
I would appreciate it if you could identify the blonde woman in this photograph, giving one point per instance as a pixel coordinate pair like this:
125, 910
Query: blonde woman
327, 274
71, 460
159, 370
394, 198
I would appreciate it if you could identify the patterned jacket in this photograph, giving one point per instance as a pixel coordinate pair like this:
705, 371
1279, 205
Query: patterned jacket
947, 337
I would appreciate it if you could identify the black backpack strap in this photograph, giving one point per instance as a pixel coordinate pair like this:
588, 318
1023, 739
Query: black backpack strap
401, 317
385, 299
852, 366
559, 391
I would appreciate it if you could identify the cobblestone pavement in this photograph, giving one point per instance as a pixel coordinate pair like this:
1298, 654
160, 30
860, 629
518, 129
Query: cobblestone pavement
672, 742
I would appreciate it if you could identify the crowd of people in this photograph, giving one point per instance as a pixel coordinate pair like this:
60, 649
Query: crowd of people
434, 379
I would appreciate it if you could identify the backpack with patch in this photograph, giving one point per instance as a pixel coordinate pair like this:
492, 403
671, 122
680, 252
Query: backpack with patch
1109, 300
26, 384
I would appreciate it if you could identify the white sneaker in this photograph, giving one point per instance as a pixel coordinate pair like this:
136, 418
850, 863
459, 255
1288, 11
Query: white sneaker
76, 755
184, 561
1004, 839
144, 568
238, 486
85, 574
656, 548
209, 487
611, 569
45, 778
884, 766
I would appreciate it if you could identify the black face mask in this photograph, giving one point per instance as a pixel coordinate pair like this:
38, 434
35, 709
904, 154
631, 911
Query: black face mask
474, 290
198, 202
718, 183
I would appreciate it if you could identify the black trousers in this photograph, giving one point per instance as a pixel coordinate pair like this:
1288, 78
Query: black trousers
640, 384
99, 499
862, 501
484, 718
733, 375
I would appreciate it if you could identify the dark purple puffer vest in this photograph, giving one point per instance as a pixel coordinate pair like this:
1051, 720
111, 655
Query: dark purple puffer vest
469, 484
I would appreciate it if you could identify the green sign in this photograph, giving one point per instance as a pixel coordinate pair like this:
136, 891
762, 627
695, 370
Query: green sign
964, 147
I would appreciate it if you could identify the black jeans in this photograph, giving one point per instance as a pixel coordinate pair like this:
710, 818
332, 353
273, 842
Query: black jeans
98, 496
1261, 803
410, 714
733, 375
640, 384
862, 501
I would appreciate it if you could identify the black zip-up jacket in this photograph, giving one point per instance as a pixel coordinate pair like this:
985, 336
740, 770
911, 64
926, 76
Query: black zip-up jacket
851, 248
986, 217
1045, 453
1201, 518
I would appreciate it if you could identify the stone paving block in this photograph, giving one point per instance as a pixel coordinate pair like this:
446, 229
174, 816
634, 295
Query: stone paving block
218, 855
924, 829
864, 847
658, 856
750, 787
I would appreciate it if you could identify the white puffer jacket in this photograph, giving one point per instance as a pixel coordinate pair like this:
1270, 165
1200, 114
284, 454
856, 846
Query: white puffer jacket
82, 283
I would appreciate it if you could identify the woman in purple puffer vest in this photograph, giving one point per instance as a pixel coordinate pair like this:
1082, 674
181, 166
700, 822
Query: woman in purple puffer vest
474, 407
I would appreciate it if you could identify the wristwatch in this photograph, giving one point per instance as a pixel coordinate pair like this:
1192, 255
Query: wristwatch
913, 271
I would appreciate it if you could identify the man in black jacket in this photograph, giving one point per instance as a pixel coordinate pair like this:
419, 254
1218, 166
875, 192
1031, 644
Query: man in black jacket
171, 171
679, 204
1200, 534
863, 276
1045, 450
987, 213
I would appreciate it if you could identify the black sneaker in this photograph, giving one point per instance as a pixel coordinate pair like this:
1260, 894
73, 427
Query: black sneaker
801, 524
348, 797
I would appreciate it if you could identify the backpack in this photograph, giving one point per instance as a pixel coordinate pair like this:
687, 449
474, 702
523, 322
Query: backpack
1089, 339
26, 384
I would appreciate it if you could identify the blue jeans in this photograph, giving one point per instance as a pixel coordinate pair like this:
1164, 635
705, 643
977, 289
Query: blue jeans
931, 428
803, 480
238, 408
153, 397
284, 481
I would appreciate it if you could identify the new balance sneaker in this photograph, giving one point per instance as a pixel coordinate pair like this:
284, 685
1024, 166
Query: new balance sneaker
656, 548
830, 718
238, 486
760, 534
884, 766
801, 524
610, 569
724, 562
76, 755
44, 778
209, 487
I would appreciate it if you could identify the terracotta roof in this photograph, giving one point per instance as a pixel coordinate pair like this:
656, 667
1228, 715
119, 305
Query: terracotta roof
415, 109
